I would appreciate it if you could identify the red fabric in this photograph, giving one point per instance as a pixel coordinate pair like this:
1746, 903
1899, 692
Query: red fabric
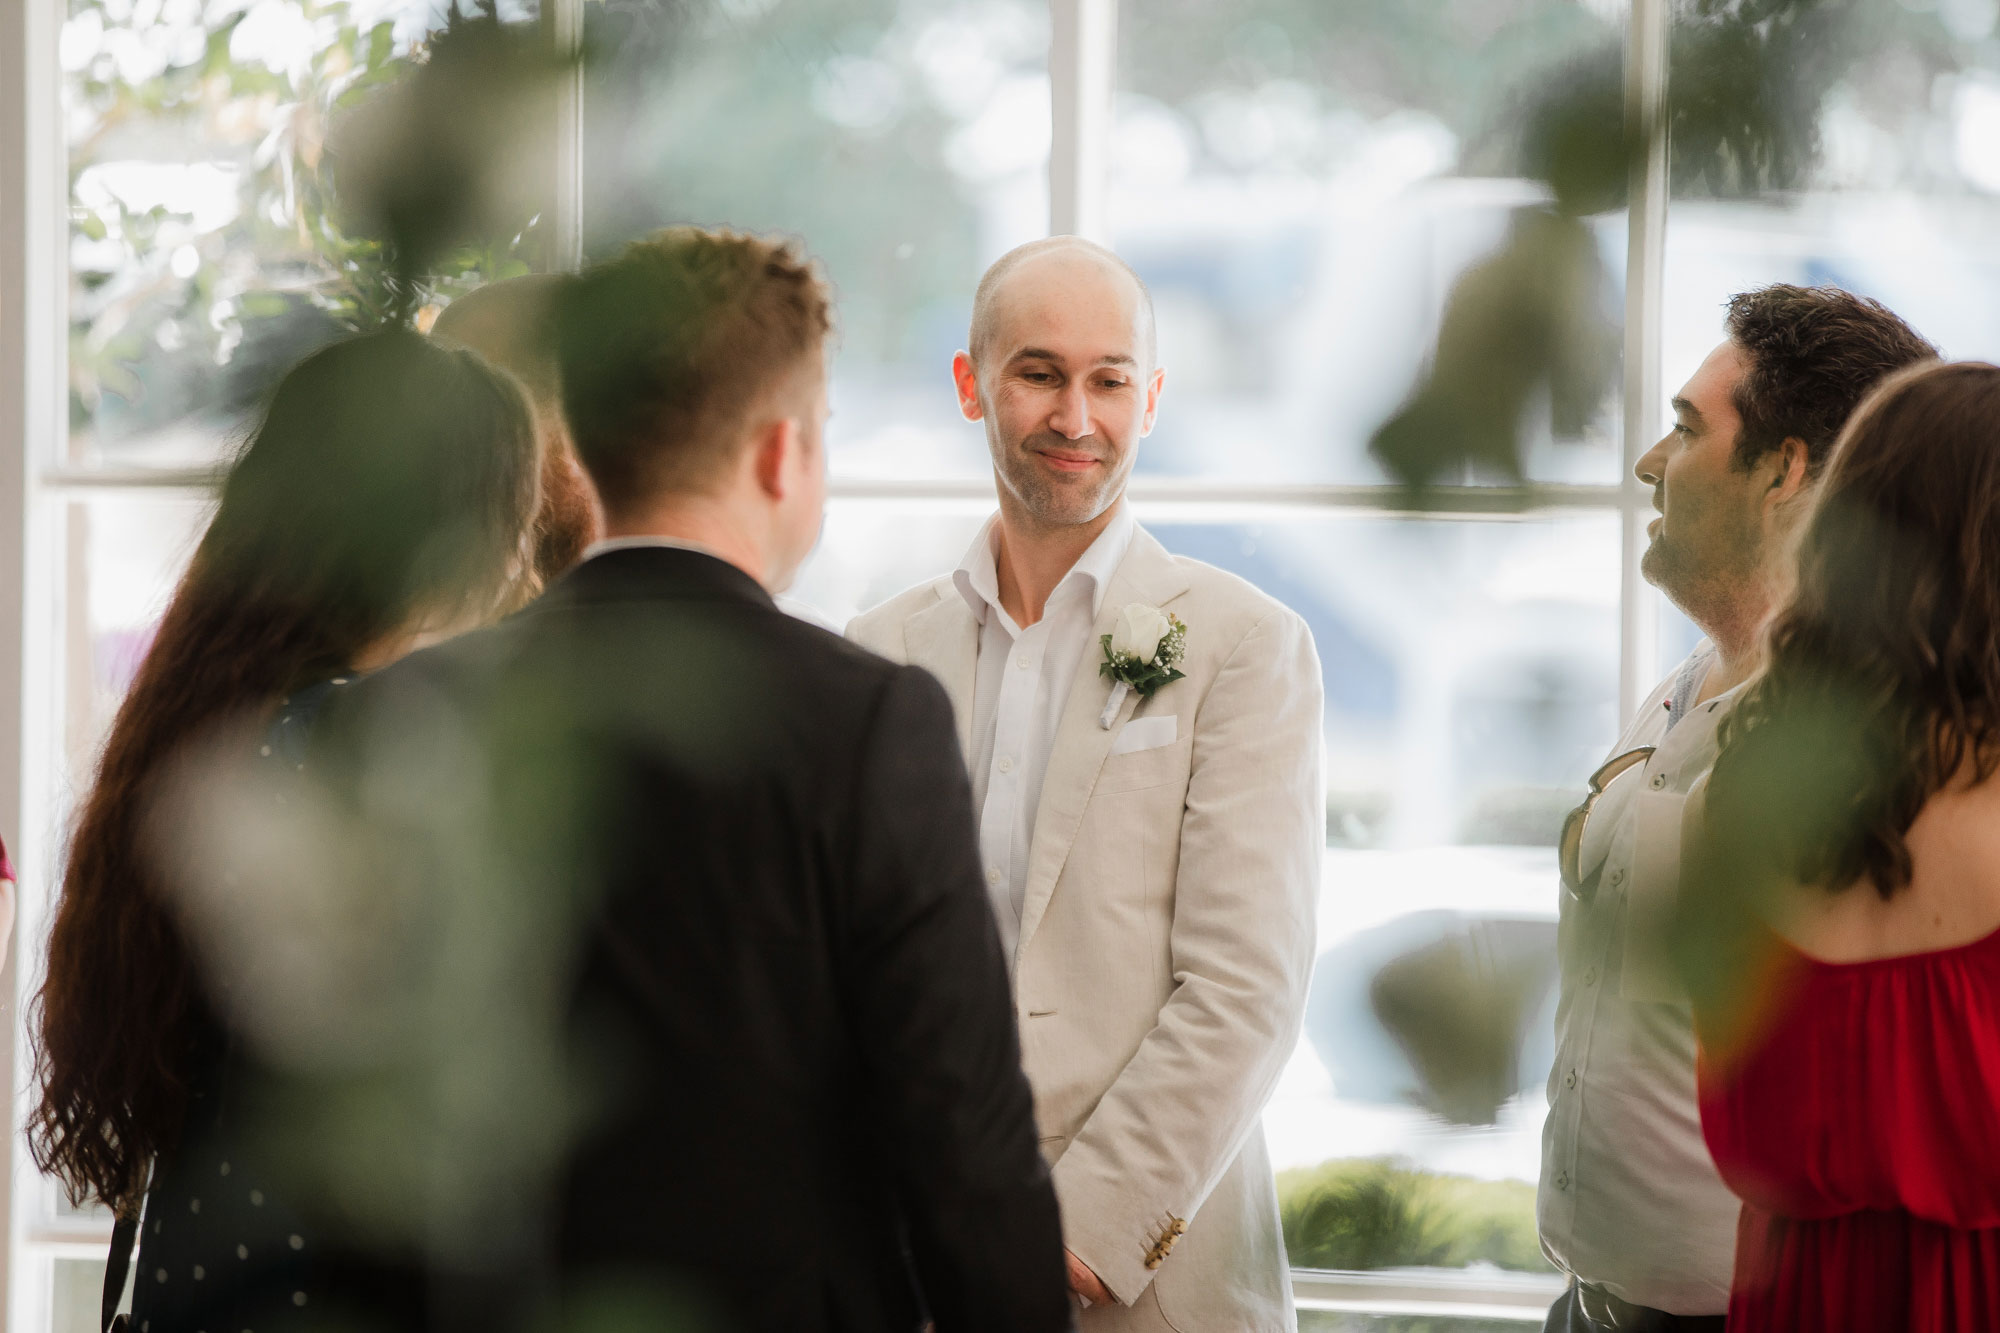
1862, 1131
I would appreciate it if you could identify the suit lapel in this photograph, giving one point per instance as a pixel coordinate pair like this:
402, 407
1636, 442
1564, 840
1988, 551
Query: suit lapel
1149, 575
943, 639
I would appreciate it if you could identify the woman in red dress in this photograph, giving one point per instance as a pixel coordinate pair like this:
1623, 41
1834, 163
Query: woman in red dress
1851, 1090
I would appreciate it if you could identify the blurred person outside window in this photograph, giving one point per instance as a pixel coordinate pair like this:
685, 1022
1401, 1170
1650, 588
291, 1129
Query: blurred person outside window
1143, 732
1850, 1059
1630, 1204
384, 501
736, 858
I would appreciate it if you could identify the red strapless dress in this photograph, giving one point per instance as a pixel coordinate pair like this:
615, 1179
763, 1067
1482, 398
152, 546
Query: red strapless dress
1862, 1131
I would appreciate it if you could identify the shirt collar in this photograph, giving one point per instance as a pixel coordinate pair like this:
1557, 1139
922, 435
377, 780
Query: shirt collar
978, 577
610, 544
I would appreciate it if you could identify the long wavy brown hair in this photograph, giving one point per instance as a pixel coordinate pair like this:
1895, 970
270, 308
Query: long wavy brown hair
1882, 676
391, 485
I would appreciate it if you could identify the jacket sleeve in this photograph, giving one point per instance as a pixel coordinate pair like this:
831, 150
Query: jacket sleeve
880, 631
934, 1018
1252, 839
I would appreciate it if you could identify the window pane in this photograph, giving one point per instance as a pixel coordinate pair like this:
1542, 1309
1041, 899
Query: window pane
77, 1306
869, 552
204, 247
125, 555
1471, 674
1899, 199
906, 141
1301, 184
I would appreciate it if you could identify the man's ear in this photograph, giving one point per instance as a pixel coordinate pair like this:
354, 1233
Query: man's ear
774, 451
966, 378
1793, 470
1154, 383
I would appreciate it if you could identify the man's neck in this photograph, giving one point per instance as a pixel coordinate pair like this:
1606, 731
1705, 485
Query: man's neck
1739, 649
1030, 559
696, 523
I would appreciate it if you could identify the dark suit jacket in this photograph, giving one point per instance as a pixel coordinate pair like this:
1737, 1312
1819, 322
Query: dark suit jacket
781, 985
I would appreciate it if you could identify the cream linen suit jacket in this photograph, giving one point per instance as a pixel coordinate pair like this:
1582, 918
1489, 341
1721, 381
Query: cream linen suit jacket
1167, 937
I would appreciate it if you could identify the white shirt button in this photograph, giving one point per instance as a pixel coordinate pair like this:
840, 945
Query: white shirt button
1659, 781
1562, 1180
1024, 661
1617, 878
1590, 976
1569, 1079
1005, 765
993, 878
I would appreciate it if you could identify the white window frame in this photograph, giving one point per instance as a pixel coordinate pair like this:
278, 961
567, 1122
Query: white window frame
37, 489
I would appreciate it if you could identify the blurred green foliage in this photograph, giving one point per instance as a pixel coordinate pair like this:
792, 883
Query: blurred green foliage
1343, 1321
1750, 82
1362, 1213
1747, 88
1462, 61
189, 307
834, 120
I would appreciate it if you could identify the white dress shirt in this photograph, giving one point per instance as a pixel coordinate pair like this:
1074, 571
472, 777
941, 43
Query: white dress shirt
1629, 1198
1023, 681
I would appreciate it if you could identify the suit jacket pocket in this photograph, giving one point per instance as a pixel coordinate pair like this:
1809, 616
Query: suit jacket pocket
1145, 768
1146, 733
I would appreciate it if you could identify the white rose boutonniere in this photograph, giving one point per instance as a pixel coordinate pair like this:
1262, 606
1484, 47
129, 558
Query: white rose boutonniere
1142, 652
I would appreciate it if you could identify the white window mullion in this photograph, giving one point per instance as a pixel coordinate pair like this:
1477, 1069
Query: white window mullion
33, 416
562, 26
1083, 71
1645, 261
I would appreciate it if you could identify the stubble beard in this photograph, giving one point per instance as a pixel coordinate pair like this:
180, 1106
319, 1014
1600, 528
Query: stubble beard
1707, 584
1049, 503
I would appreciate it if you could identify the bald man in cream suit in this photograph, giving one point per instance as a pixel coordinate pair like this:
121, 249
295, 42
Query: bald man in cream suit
1152, 853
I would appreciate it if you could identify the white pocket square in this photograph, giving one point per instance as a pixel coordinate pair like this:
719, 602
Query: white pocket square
1146, 733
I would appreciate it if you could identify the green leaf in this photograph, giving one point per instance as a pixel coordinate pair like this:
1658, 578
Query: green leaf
381, 44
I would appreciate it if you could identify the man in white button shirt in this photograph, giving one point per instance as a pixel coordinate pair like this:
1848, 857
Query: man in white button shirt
1152, 838
1630, 1203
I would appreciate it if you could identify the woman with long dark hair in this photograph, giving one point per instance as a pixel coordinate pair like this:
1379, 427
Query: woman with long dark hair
387, 498
1851, 1090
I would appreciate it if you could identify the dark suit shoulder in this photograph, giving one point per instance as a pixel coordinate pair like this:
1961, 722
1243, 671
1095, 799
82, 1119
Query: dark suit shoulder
443, 667
820, 643
733, 657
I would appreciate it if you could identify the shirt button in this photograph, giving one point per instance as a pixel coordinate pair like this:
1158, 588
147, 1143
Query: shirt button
993, 878
1590, 976
1617, 878
1024, 662
1562, 1180
1005, 765
1659, 781
1569, 1079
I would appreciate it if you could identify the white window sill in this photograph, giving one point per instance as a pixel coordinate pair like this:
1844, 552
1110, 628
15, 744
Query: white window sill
1439, 1293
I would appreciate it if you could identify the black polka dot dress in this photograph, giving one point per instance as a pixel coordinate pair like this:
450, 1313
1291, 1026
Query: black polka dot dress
219, 1250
